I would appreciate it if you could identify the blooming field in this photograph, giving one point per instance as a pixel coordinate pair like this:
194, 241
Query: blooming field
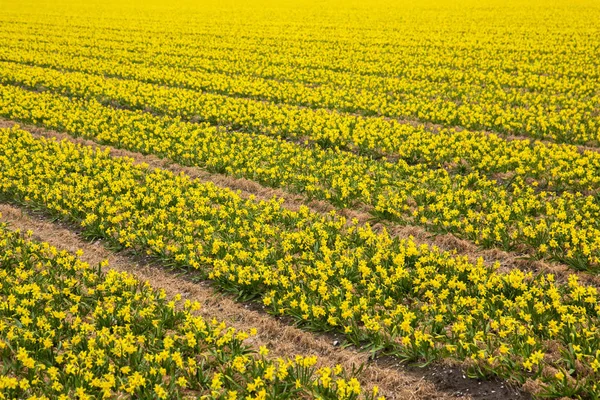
476, 120
69, 331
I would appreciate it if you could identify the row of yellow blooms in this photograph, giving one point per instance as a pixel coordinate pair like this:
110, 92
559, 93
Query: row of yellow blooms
534, 198
476, 83
69, 331
384, 293
557, 167
204, 97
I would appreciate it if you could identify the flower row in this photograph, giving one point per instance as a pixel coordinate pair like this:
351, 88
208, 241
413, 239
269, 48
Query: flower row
434, 88
511, 211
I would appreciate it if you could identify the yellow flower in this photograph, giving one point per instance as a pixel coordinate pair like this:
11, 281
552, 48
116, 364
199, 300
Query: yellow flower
160, 392
263, 351
182, 382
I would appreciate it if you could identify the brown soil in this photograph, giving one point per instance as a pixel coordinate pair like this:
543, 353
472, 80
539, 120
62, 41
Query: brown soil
442, 381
